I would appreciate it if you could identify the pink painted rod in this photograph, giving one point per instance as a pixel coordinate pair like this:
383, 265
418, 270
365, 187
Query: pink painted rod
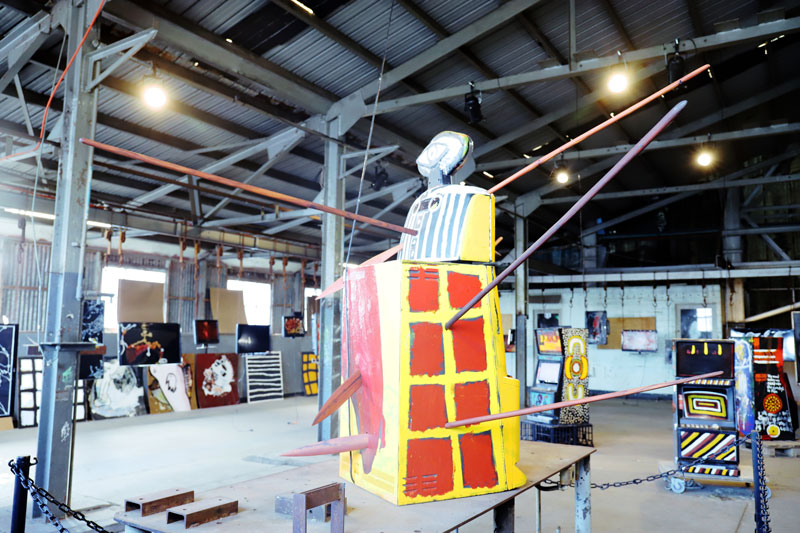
583, 136
244, 186
633, 152
570, 403
326, 447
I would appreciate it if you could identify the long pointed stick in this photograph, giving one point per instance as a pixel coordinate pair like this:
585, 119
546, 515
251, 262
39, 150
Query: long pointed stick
245, 186
655, 130
339, 396
570, 403
597, 128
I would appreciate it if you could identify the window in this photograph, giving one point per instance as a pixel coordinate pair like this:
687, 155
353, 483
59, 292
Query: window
109, 286
310, 305
697, 323
257, 300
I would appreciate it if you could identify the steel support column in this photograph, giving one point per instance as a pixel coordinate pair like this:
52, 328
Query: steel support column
332, 257
62, 332
521, 305
731, 220
583, 499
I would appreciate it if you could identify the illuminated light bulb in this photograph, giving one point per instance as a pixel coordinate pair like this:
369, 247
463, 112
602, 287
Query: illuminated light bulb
617, 82
704, 158
562, 176
154, 95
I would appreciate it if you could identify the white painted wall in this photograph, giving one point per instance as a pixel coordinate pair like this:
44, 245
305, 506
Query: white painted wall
612, 370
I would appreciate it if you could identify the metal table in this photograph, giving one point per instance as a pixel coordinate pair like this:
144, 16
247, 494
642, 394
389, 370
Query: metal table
367, 512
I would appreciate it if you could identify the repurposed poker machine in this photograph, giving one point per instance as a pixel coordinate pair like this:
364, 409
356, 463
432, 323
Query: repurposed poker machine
705, 409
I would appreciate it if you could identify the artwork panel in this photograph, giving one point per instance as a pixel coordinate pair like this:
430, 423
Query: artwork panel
264, 377
548, 341
293, 326
695, 357
8, 357
713, 446
92, 321
616, 325
90, 365
167, 389
645, 340
190, 377
252, 339
773, 414
217, 379
149, 343
796, 332
206, 332
743, 371
597, 326
576, 375
227, 307
119, 393
140, 301
310, 370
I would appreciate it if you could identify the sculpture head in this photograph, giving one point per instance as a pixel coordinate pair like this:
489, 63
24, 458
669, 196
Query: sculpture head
447, 160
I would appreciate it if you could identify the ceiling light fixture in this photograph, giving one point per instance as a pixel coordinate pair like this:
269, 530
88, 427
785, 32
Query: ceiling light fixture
618, 81
704, 158
153, 93
302, 6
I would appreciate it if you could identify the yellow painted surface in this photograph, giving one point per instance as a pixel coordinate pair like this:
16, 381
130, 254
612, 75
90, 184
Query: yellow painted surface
478, 234
389, 467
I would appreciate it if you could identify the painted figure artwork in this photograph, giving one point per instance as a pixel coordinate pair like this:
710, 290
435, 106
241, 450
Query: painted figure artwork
576, 375
149, 343
773, 418
264, 377
190, 377
167, 389
743, 369
90, 365
548, 341
92, 317
597, 326
217, 379
8, 357
118, 393
639, 340
293, 326
310, 369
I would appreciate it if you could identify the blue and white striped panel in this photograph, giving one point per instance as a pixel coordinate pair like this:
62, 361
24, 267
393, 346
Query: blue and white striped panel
439, 216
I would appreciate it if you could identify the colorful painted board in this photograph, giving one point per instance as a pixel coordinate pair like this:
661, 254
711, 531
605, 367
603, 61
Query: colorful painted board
714, 446
92, 319
264, 376
773, 418
206, 332
188, 365
90, 364
639, 340
576, 375
743, 369
706, 403
416, 376
168, 388
293, 326
8, 357
796, 331
597, 324
149, 343
118, 393
217, 378
548, 341
310, 373
694, 357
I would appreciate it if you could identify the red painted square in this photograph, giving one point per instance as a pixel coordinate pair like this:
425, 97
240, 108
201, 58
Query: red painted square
423, 289
469, 345
472, 399
477, 460
461, 288
427, 349
427, 409
430, 467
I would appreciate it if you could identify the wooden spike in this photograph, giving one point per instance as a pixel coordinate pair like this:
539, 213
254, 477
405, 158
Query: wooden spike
570, 403
331, 446
380, 258
339, 396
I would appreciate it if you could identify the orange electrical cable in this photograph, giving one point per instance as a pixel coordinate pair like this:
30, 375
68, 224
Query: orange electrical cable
58, 84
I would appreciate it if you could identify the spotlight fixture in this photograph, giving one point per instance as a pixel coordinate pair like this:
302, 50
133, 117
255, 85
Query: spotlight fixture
153, 94
380, 177
618, 82
676, 64
472, 105
561, 174
704, 158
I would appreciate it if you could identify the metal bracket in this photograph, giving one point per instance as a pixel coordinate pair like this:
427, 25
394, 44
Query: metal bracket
127, 46
332, 494
379, 153
348, 110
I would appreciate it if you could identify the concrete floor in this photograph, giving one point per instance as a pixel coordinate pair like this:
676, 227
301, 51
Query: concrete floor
208, 448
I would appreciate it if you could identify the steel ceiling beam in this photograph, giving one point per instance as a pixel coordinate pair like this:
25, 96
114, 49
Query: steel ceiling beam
704, 43
674, 274
749, 133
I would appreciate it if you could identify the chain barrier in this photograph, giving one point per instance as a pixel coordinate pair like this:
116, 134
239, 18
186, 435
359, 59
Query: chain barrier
38, 495
760, 493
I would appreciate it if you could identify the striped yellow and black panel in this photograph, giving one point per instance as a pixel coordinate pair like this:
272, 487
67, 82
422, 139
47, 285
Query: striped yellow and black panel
720, 382
705, 404
713, 471
310, 373
711, 445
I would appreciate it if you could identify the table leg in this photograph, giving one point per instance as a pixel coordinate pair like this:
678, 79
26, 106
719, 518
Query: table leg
583, 500
538, 511
504, 517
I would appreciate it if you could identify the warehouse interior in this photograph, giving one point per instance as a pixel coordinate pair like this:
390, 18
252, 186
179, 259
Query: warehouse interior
221, 220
